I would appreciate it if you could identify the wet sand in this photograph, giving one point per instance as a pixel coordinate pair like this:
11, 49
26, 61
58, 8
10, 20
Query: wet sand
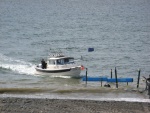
39, 105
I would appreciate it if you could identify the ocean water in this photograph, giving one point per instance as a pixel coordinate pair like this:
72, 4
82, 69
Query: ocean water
118, 30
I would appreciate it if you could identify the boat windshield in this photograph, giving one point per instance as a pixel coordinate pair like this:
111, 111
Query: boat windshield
69, 61
65, 61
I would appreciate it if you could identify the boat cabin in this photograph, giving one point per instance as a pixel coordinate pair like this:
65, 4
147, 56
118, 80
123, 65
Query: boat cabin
60, 60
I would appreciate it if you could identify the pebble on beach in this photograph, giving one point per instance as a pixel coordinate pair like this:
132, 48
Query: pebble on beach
35, 105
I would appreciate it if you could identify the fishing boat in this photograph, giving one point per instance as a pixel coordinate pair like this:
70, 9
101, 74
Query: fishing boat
59, 65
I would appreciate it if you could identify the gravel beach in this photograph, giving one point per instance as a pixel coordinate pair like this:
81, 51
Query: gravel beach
40, 105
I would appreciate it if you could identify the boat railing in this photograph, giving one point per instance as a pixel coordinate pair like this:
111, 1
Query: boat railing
56, 55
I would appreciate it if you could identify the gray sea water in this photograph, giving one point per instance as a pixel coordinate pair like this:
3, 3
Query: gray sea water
118, 30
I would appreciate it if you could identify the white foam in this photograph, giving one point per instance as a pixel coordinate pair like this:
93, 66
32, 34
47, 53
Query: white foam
60, 76
18, 66
22, 69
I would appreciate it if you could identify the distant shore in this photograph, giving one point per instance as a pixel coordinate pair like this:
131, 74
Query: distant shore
45, 105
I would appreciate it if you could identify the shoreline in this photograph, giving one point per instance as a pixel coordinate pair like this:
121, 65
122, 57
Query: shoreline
52, 105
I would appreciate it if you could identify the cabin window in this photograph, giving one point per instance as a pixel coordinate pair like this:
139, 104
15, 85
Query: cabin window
66, 61
60, 61
52, 62
69, 61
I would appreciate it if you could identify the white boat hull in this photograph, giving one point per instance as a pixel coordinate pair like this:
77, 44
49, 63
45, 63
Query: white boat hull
72, 72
